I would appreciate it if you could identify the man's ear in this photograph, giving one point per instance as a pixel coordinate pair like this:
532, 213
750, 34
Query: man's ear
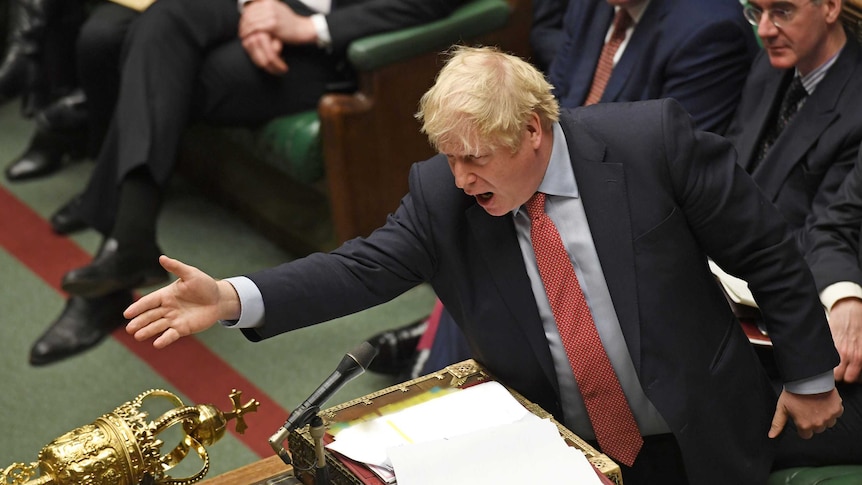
833, 10
535, 130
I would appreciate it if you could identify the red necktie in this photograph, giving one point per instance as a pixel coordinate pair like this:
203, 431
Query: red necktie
622, 21
615, 426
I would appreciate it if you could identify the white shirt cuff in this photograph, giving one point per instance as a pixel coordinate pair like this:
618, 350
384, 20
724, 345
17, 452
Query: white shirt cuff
251, 304
813, 385
838, 291
240, 4
324, 40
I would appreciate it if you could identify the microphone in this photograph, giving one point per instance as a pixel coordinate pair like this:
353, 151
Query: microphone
352, 364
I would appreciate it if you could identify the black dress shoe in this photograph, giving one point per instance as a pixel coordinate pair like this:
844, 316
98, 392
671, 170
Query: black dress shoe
117, 268
61, 131
83, 323
66, 114
44, 156
68, 218
397, 348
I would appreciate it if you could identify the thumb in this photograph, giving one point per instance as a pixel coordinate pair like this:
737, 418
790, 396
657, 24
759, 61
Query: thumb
779, 420
177, 267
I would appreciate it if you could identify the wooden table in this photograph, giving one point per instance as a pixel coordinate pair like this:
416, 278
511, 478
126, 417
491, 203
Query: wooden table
251, 473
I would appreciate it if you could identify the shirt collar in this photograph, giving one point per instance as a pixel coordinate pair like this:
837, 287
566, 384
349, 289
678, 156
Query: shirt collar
560, 176
635, 11
813, 78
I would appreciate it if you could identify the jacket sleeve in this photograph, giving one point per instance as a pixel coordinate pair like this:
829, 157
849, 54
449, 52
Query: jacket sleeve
833, 251
370, 17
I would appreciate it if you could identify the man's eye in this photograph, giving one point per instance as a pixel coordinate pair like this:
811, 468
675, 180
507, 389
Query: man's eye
782, 14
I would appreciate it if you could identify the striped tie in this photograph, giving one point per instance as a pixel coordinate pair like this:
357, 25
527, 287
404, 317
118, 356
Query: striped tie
612, 419
622, 21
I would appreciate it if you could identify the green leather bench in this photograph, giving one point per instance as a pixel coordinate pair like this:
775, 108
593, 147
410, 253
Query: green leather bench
312, 180
826, 475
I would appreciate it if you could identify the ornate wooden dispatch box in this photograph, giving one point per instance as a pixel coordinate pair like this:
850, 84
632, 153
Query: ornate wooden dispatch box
344, 471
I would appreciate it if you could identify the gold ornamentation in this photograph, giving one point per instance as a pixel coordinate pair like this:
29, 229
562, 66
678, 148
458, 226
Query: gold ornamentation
123, 448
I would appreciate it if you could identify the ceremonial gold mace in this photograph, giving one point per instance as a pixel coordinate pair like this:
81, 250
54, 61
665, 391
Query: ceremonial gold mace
123, 448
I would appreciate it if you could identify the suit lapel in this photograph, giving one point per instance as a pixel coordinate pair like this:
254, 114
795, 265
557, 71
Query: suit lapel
502, 255
602, 187
586, 54
818, 112
768, 100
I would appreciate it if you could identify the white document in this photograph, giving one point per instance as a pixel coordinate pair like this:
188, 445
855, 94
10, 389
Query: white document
736, 288
475, 408
511, 454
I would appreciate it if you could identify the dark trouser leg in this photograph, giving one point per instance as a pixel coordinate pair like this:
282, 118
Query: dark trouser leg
98, 50
38, 62
182, 60
840, 445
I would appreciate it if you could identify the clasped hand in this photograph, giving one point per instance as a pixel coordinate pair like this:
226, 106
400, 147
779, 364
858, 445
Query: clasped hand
265, 26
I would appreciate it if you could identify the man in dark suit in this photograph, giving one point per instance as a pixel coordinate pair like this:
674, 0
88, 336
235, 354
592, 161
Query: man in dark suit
695, 51
801, 165
640, 199
801, 168
198, 59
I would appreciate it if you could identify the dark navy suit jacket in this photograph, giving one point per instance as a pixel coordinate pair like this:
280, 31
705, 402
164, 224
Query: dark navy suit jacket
659, 198
695, 51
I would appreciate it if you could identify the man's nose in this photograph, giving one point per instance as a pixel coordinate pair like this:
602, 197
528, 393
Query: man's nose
765, 28
463, 176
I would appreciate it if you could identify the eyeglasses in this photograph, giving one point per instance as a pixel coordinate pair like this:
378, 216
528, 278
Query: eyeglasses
780, 16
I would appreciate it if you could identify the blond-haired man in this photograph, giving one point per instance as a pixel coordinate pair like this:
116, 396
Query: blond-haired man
639, 200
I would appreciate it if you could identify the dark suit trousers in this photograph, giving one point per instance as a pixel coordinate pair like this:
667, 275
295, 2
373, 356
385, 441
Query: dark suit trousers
182, 61
98, 55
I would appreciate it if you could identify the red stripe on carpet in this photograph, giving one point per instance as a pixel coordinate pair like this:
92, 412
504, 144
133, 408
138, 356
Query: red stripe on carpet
28, 237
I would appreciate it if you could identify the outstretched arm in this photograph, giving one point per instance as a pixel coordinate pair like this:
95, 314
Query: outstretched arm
191, 304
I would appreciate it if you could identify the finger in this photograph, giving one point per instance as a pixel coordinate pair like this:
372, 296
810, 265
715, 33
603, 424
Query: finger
278, 63
151, 329
852, 372
779, 420
146, 302
805, 434
168, 337
252, 47
840, 371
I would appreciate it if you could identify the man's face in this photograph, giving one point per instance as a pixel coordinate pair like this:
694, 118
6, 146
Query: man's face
801, 38
500, 180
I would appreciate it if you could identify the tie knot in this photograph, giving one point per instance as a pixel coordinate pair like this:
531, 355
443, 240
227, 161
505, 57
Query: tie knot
795, 92
536, 206
622, 21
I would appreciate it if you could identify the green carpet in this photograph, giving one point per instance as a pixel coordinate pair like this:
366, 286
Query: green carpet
39, 404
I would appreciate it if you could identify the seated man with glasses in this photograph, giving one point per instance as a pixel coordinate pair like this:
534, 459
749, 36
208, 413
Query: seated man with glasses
797, 131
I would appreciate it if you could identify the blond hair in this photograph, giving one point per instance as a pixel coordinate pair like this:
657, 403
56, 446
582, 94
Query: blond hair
484, 96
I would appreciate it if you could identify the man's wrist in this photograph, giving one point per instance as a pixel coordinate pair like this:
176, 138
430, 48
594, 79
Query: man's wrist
839, 291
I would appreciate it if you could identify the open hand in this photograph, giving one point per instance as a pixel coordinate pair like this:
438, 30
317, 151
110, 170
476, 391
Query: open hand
191, 304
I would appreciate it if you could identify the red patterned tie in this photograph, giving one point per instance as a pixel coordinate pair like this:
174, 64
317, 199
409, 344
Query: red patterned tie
622, 21
612, 419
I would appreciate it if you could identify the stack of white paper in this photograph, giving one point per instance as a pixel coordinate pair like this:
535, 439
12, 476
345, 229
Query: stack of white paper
478, 435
